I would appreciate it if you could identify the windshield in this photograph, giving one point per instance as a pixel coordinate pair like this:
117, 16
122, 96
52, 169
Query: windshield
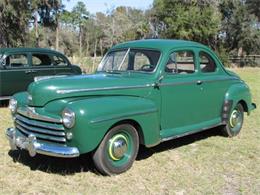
130, 60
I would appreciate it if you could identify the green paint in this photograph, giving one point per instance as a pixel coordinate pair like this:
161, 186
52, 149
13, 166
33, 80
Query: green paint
163, 105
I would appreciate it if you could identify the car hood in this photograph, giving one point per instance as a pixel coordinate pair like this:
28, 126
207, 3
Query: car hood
43, 91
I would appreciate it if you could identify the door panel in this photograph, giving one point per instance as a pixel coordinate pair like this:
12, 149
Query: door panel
181, 92
182, 103
14, 77
41, 65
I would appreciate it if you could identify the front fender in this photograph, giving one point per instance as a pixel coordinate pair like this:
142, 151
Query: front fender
95, 116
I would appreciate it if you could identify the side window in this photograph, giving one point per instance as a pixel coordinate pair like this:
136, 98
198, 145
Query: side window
59, 61
181, 62
41, 60
207, 64
17, 60
140, 61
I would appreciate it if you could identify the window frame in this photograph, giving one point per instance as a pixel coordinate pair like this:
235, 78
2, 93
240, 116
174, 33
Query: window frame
211, 58
40, 66
60, 56
21, 67
182, 50
158, 65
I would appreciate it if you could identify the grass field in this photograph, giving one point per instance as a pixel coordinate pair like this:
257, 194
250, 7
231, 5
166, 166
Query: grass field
204, 163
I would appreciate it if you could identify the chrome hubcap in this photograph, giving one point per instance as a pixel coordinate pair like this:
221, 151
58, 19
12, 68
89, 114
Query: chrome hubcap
117, 147
234, 118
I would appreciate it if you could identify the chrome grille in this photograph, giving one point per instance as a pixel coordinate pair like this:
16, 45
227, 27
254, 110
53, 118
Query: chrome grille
48, 131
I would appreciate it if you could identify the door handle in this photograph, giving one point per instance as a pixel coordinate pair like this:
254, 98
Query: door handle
27, 71
30, 71
199, 82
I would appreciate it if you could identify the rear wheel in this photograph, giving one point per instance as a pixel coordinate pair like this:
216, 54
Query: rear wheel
235, 122
117, 151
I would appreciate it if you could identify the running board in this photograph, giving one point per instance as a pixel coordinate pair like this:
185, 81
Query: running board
190, 133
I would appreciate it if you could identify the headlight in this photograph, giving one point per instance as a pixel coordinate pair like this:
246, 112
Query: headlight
68, 118
13, 105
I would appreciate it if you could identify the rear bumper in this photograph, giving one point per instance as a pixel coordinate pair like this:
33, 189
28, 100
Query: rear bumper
34, 146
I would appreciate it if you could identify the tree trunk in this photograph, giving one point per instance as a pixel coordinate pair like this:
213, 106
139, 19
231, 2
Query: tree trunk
101, 47
87, 45
95, 55
80, 41
36, 31
57, 35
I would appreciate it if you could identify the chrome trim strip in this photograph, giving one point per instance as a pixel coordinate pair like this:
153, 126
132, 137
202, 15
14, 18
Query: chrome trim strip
5, 98
38, 130
195, 81
34, 146
45, 137
31, 113
33, 123
116, 117
66, 91
190, 133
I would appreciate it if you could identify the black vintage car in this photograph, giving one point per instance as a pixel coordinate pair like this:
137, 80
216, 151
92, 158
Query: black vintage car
20, 66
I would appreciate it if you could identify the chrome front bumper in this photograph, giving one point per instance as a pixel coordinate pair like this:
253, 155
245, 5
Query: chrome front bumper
34, 146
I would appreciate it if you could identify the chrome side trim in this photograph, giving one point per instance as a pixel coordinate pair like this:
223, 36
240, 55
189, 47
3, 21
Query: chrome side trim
34, 146
5, 98
116, 117
31, 113
33, 123
38, 130
40, 78
66, 91
195, 81
41, 136
190, 133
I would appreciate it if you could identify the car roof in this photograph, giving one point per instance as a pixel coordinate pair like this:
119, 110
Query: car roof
25, 49
161, 44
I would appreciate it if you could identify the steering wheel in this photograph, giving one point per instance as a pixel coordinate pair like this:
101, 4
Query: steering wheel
147, 67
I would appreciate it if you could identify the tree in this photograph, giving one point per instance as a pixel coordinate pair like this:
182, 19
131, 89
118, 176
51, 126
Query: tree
79, 16
14, 19
239, 29
191, 20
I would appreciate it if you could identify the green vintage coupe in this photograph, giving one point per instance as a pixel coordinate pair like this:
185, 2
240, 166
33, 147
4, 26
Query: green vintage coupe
143, 92
20, 66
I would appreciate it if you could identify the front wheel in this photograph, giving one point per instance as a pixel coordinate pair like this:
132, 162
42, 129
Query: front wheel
117, 151
235, 122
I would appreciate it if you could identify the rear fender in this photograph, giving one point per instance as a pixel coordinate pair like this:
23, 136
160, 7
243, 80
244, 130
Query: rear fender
237, 93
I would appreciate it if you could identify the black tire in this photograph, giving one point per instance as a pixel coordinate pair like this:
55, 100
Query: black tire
232, 129
117, 151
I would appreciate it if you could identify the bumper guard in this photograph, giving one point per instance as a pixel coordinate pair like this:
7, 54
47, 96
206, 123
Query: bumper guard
33, 146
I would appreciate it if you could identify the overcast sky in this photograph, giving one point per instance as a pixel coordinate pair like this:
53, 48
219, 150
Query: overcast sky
94, 6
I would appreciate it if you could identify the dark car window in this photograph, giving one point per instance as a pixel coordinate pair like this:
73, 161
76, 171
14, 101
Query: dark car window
181, 62
59, 61
41, 60
16, 60
207, 64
